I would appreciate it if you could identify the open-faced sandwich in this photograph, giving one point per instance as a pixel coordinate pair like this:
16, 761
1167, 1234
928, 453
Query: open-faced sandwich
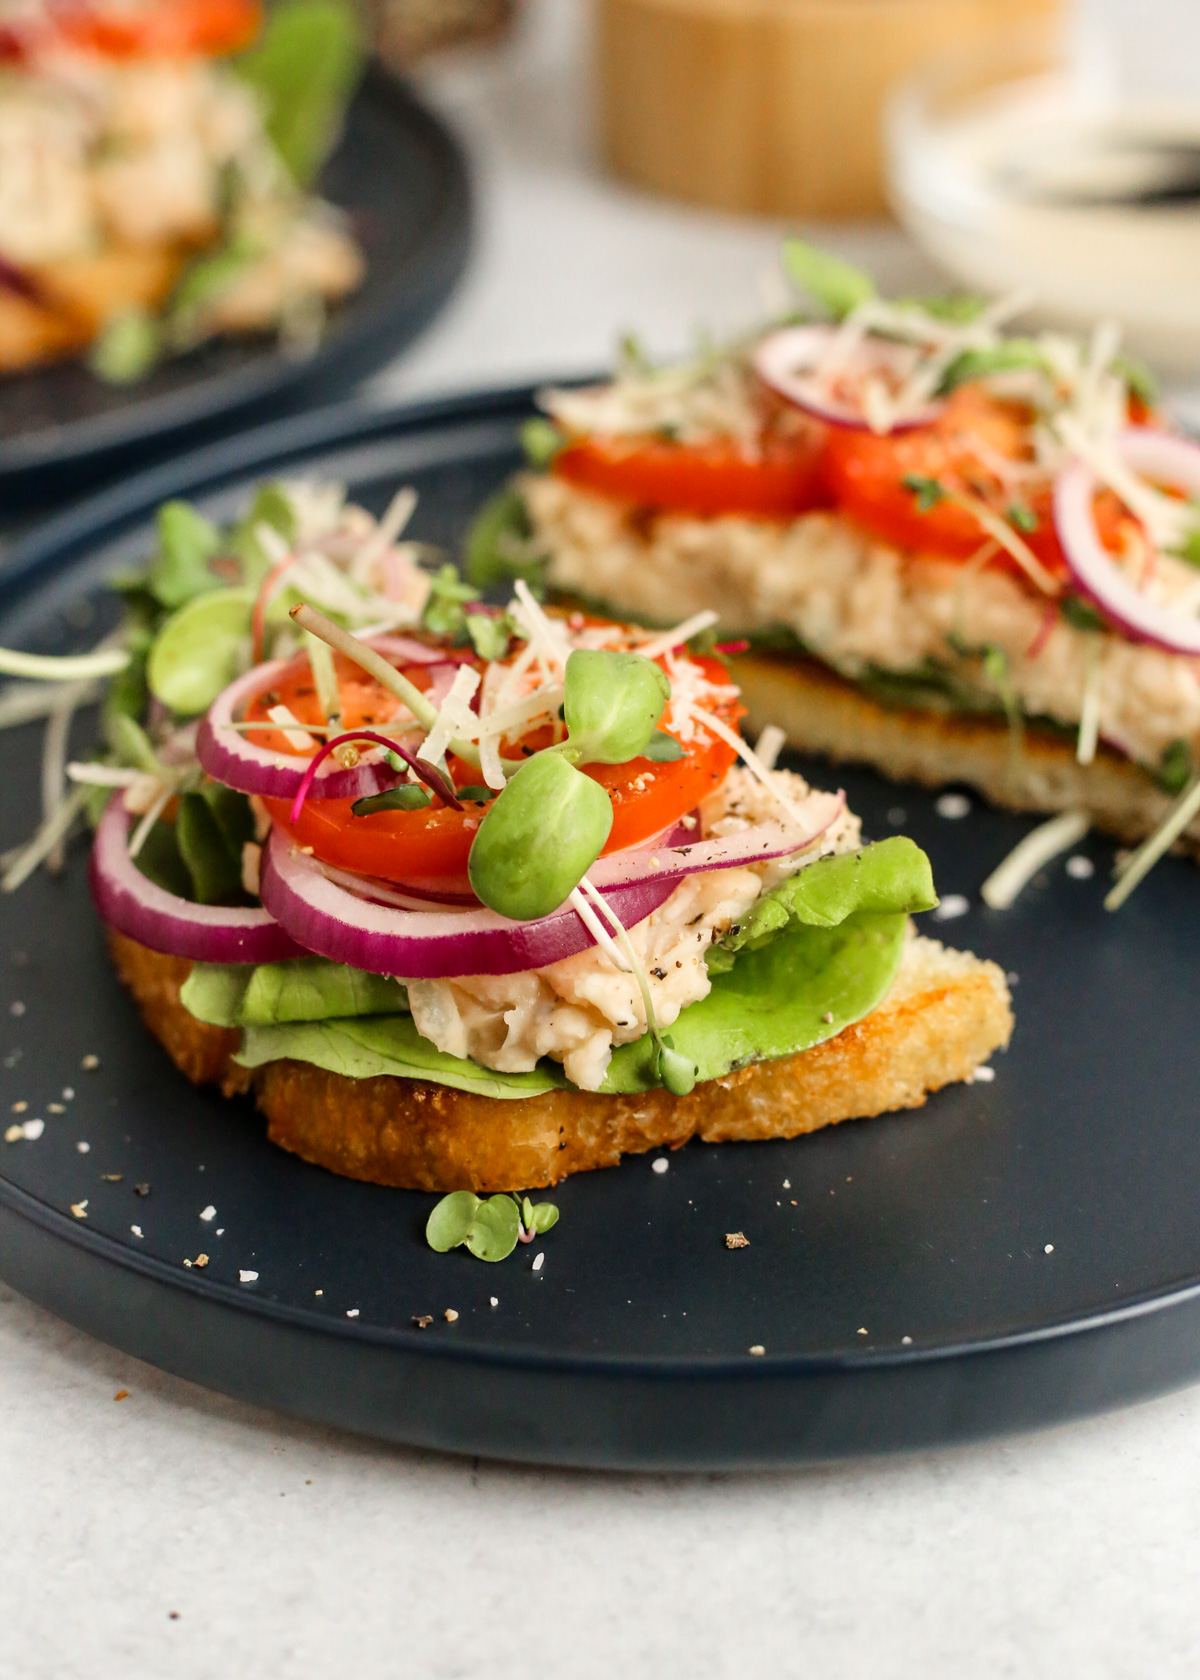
476, 898
154, 191
955, 554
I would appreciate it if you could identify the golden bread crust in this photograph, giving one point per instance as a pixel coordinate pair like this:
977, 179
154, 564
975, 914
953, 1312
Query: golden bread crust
821, 712
946, 1013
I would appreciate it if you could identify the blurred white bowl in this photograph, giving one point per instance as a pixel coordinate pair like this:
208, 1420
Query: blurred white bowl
1020, 165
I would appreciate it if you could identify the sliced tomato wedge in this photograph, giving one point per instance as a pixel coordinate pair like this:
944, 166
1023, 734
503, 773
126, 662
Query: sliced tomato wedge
157, 28
866, 472
778, 481
870, 478
433, 844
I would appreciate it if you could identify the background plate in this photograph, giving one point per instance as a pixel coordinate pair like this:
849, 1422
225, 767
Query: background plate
401, 178
1017, 1251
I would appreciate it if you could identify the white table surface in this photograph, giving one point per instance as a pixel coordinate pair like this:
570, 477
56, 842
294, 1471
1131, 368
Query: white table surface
288, 1551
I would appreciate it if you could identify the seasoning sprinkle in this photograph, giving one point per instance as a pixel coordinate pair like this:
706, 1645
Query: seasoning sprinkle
79, 1209
758, 1350
736, 1239
450, 1316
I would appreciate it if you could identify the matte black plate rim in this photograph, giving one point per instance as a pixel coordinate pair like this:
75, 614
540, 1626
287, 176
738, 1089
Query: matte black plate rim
256, 1306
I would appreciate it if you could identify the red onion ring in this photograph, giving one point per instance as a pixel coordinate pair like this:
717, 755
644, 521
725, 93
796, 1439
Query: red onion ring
439, 944
785, 360
1171, 460
156, 918
227, 757
673, 861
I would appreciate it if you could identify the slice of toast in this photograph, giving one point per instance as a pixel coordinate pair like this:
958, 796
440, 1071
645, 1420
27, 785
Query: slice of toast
945, 1014
821, 712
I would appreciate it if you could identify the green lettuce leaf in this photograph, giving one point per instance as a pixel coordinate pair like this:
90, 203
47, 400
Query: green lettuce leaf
801, 988
891, 876
816, 954
388, 1044
306, 66
303, 989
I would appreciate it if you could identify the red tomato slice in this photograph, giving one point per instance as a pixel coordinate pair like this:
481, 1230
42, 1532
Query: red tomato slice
159, 28
713, 478
866, 474
433, 844
365, 703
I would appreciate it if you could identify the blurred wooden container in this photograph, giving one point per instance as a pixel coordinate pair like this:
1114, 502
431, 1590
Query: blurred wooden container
770, 105
405, 31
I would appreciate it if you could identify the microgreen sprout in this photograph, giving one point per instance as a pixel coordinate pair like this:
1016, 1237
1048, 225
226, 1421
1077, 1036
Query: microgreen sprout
544, 831
428, 773
550, 823
200, 649
542, 441
611, 705
490, 1229
836, 286
78, 667
444, 614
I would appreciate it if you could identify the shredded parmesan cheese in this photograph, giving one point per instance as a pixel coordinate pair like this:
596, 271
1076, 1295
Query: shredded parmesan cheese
294, 732
1039, 847
753, 763
658, 645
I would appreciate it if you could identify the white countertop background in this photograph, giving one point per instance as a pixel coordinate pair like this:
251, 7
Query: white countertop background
293, 1552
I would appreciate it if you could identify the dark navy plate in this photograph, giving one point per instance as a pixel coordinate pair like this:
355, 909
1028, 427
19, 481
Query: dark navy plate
401, 179
1017, 1251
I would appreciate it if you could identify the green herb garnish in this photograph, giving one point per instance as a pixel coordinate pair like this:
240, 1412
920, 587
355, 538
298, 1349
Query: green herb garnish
928, 491
1079, 614
1175, 767
1023, 518
410, 797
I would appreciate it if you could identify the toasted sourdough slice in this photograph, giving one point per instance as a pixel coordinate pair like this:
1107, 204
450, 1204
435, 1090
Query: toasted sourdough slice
821, 712
945, 1014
